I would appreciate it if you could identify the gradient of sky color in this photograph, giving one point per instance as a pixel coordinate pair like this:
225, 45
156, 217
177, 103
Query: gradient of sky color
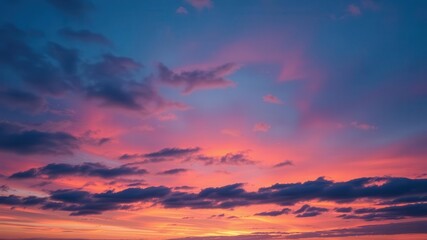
213, 119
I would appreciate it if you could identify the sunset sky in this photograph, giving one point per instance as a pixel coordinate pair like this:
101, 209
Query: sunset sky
213, 119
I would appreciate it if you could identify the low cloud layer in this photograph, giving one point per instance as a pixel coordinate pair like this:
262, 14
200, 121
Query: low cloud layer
55, 170
234, 195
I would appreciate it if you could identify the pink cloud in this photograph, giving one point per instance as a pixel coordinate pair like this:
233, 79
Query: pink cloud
230, 132
200, 4
272, 99
181, 10
261, 127
354, 10
293, 67
167, 117
370, 4
363, 126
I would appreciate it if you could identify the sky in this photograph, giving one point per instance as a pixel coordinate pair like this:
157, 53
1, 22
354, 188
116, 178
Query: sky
213, 119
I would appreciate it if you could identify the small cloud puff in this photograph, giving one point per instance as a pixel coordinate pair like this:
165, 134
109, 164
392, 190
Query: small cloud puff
261, 127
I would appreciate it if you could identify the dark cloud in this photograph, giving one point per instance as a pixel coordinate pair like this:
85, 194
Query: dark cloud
284, 163
229, 191
134, 194
412, 199
173, 152
415, 227
70, 196
289, 194
31, 67
366, 230
274, 213
198, 79
111, 67
238, 158
129, 156
309, 211
23, 100
108, 82
217, 216
387, 213
81, 203
74, 8
111, 82
343, 209
4, 188
21, 141
67, 58
232, 196
162, 155
104, 140
55, 170
31, 173
90, 137
13, 200
341, 192
173, 171
55, 70
84, 36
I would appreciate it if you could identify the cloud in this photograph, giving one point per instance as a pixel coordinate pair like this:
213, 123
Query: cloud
90, 137
309, 211
292, 193
31, 67
22, 100
84, 36
134, 194
110, 82
363, 126
274, 213
412, 199
198, 79
70, 196
354, 10
67, 58
269, 98
366, 230
235, 159
181, 10
414, 227
19, 201
163, 154
15, 139
389, 213
261, 127
56, 70
173, 171
167, 117
4, 188
173, 152
200, 4
343, 209
284, 163
238, 158
75, 8
189, 154
55, 170
234, 195
230, 132
232, 190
